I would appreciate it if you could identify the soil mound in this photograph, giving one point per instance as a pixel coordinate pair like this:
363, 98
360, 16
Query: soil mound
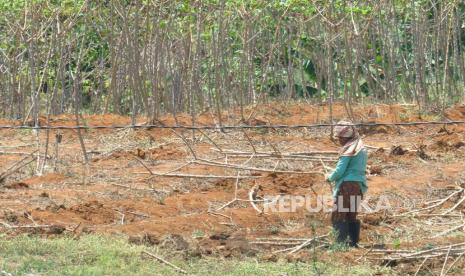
94, 211
17, 185
455, 113
448, 142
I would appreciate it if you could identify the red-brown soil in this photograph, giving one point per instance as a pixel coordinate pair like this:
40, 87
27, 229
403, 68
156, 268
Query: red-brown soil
118, 195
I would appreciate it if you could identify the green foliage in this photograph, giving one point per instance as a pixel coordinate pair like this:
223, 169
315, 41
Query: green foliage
396, 243
281, 48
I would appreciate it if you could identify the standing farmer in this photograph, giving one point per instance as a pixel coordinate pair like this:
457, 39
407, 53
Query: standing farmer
350, 183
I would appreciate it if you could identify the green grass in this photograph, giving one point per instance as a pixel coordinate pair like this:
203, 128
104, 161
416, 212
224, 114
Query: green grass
104, 255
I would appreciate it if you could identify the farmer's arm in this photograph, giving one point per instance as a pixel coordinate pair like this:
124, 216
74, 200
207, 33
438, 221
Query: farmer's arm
340, 169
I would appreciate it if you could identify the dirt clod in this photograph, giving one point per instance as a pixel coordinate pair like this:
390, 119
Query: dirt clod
10, 216
421, 152
174, 242
55, 207
376, 170
398, 150
220, 236
146, 239
56, 230
94, 211
17, 185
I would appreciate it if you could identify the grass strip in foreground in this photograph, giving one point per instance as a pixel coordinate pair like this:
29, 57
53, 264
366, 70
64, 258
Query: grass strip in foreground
109, 255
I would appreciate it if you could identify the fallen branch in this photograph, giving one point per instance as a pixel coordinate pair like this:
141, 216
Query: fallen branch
167, 174
445, 261
421, 265
449, 231
211, 140
6, 225
399, 255
165, 262
455, 261
250, 141
432, 206
278, 243
306, 243
285, 157
23, 153
17, 166
235, 195
455, 206
138, 189
272, 153
130, 212
186, 143
18, 146
239, 167
200, 175
281, 239
366, 253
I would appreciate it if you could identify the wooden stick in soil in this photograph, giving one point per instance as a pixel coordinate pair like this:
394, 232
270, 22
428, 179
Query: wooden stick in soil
435, 249
222, 215
175, 169
15, 147
143, 164
235, 195
10, 170
445, 261
326, 172
20, 161
305, 153
200, 176
6, 225
455, 261
250, 141
281, 239
21, 153
58, 139
167, 174
421, 265
455, 206
278, 243
239, 167
434, 252
132, 213
448, 231
290, 158
165, 262
287, 249
433, 206
366, 253
211, 140
306, 243
186, 143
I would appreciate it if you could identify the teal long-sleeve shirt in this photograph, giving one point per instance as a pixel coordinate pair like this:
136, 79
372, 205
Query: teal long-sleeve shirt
350, 168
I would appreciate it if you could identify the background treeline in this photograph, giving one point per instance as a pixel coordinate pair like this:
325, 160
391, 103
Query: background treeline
154, 57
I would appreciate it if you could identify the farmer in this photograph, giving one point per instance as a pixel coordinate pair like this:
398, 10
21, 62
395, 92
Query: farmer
350, 183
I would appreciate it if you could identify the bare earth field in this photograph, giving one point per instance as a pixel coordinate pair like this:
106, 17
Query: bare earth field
171, 189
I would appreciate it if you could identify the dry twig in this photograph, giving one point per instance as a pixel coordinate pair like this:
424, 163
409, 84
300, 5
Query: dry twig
165, 262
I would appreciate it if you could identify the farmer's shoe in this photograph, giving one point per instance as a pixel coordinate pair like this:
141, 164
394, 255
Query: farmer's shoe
354, 233
342, 231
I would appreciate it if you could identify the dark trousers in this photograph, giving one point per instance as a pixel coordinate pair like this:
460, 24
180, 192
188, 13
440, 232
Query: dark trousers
347, 203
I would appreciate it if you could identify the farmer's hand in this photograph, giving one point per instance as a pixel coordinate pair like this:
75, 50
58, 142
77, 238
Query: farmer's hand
327, 176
